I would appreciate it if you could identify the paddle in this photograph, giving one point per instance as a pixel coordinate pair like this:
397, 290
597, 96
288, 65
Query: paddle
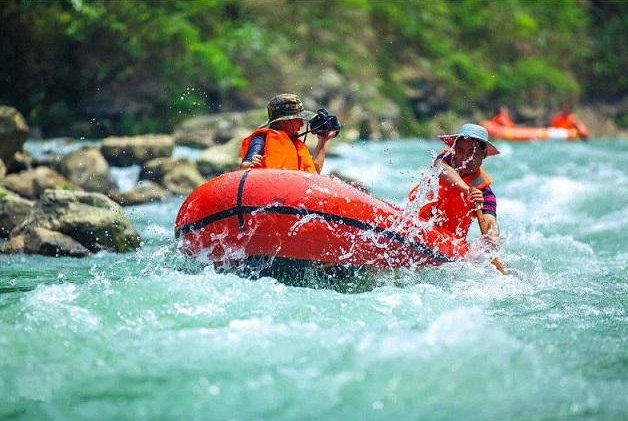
484, 230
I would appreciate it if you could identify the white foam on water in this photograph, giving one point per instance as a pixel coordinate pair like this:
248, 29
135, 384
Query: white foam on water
512, 209
60, 146
157, 231
208, 309
611, 222
185, 152
547, 200
56, 304
126, 177
52, 294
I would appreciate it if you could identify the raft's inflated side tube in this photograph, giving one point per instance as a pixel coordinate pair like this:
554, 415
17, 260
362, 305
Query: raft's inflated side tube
524, 134
297, 215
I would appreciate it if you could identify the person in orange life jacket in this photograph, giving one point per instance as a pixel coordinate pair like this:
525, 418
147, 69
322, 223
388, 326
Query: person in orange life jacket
463, 184
567, 120
502, 117
276, 143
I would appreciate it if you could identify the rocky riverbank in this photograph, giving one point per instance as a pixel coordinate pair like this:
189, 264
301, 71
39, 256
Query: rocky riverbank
70, 204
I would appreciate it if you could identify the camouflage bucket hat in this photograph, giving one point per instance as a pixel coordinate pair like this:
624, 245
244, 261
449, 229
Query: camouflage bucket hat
286, 107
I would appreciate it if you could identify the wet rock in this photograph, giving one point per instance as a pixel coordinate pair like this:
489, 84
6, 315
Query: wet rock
221, 158
145, 192
91, 219
183, 179
14, 245
13, 210
177, 176
21, 161
88, 169
31, 183
52, 243
127, 151
208, 130
45, 242
155, 169
13, 132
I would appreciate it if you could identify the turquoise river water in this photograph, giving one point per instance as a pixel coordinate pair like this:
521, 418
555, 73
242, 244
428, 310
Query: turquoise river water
134, 337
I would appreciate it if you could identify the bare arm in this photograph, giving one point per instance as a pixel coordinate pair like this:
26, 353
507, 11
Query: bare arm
451, 176
321, 150
492, 228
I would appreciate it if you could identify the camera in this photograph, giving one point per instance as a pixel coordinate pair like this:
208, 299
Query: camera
323, 122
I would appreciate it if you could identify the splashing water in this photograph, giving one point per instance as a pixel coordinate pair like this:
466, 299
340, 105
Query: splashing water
133, 336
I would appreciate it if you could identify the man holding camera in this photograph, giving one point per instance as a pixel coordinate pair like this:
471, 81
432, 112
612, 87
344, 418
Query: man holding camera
277, 143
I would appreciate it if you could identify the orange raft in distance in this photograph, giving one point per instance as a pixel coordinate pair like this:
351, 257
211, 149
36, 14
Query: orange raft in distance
307, 217
525, 134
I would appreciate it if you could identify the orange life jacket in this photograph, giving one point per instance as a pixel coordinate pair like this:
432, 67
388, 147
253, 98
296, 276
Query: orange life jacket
503, 119
280, 151
452, 209
570, 121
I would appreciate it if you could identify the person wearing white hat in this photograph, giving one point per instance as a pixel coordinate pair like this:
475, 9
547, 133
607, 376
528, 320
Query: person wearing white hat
464, 187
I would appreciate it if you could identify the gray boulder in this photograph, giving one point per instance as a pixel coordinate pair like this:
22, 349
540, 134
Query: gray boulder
155, 169
208, 130
127, 151
21, 161
13, 132
183, 179
221, 158
145, 192
91, 219
14, 245
178, 176
31, 183
51, 243
89, 169
13, 210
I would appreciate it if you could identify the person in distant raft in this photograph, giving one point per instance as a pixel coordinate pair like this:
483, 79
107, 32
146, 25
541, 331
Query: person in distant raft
502, 117
277, 143
464, 187
567, 120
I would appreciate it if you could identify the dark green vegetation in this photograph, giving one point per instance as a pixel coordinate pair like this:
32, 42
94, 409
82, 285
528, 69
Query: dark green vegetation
107, 66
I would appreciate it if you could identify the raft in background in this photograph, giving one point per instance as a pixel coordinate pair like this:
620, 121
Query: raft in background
525, 134
308, 218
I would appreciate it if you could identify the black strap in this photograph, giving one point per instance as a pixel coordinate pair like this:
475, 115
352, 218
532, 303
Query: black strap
239, 201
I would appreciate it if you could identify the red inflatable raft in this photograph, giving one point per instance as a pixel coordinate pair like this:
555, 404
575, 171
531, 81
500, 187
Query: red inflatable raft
308, 217
524, 134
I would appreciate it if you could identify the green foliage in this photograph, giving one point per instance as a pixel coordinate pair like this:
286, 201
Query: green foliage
132, 66
607, 61
533, 80
68, 186
622, 120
